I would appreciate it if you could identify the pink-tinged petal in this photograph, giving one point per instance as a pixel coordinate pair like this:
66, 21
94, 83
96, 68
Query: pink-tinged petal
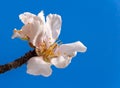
34, 27
27, 17
37, 66
71, 49
33, 31
53, 26
61, 62
41, 16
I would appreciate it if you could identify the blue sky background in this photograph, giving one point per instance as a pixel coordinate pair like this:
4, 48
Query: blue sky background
94, 22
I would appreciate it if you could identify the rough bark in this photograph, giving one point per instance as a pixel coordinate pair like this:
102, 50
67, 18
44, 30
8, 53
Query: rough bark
18, 62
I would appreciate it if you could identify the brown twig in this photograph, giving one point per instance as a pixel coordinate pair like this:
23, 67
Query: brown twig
18, 62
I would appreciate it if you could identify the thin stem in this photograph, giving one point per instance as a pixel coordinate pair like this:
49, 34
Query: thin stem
18, 62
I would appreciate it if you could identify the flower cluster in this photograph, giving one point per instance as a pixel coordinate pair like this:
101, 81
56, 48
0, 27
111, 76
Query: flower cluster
43, 37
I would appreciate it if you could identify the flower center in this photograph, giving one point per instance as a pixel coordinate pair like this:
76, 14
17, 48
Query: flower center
48, 53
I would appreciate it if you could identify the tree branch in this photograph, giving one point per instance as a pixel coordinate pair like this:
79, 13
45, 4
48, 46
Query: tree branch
18, 62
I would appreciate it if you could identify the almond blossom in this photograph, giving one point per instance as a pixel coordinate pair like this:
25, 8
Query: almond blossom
43, 36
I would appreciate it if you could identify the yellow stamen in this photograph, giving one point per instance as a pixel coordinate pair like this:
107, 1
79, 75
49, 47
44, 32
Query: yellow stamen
47, 53
20, 32
25, 38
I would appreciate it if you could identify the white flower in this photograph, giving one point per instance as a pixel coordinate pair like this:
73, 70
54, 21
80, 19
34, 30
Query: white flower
43, 36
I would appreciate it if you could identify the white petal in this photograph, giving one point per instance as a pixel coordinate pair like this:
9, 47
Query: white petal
71, 49
37, 66
61, 62
53, 25
41, 16
26, 17
33, 31
34, 27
